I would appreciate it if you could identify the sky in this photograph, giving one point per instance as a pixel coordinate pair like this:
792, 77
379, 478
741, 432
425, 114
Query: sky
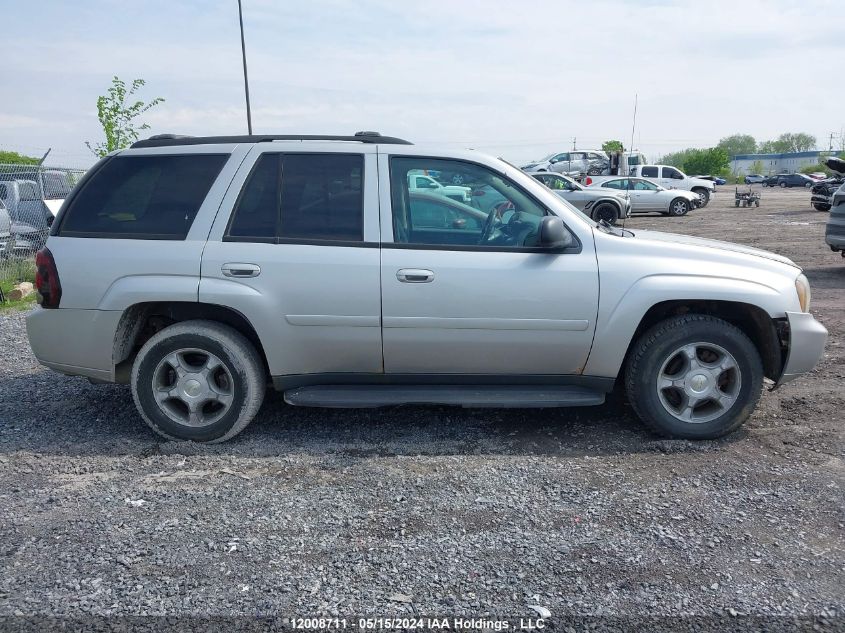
513, 79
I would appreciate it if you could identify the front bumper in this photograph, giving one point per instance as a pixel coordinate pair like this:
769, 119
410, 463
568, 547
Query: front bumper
807, 338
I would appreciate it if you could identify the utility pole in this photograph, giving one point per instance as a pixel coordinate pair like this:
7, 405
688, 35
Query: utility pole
246, 77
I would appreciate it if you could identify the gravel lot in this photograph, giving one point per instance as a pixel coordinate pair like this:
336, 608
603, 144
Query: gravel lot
432, 510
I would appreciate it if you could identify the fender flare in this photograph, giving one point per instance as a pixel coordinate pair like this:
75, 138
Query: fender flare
617, 324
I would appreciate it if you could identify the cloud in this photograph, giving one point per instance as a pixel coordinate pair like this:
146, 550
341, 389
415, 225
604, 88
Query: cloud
515, 80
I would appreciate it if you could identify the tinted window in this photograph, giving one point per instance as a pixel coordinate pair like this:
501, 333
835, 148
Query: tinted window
257, 210
499, 213
671, 172
322, 197
143, 196
3, 192
649, 172
614, 184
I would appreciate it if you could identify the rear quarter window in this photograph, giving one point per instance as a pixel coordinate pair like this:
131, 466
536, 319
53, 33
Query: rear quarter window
143, 197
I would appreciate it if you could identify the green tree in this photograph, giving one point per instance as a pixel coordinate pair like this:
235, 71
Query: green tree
611, 146
788, 142
738, 144
676, 159
767, 147
117, 116
14, 158
714, 160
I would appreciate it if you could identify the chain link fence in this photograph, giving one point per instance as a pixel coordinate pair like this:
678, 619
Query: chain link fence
30, 197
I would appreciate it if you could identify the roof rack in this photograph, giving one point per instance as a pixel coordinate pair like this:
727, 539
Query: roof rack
165, 140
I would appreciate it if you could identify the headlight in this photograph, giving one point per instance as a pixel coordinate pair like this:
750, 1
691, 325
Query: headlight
802, 287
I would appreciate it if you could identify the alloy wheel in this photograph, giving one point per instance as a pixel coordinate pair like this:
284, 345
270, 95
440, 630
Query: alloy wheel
698, 382
193, 387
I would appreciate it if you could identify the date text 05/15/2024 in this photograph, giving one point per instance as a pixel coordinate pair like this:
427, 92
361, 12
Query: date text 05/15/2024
418, 623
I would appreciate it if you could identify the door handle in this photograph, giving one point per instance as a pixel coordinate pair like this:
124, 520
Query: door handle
240, 270
414, 275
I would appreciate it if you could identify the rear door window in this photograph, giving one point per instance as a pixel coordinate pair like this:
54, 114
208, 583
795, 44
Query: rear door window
649, 172
322, 197
143, 197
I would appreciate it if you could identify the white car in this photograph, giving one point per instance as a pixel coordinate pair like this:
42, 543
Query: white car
422, 183
673, 178
647, 196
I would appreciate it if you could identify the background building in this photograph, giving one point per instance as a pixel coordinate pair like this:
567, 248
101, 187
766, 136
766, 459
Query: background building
789, 162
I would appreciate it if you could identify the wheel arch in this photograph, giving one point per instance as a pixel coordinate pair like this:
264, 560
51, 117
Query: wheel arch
752, 307
142, 320
752, 320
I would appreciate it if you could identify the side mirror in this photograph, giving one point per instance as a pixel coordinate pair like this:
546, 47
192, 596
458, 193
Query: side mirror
553, 233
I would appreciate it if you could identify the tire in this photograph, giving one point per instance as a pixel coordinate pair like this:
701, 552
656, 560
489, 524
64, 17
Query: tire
661, 351
235, 388
808, 185
736, 203
783, 185
821, 207
605, 211
757, 203
704, 195
678, 207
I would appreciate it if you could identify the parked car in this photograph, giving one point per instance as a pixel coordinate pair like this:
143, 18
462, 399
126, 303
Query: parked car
754, 179
717, 179
50, 184
17, 238
202, 271
573, 164
5, 223
818, 175
673, 178
834, 233
648, 197
24, 203
788, 180
599, 204
421, 183
821, 193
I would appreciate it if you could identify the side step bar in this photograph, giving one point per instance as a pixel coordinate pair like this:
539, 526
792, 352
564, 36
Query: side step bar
469, 396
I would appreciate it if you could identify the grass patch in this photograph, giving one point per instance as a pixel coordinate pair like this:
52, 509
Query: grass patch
12, 272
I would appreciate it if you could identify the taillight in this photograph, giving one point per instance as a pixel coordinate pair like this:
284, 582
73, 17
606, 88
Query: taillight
47, 279
589, 181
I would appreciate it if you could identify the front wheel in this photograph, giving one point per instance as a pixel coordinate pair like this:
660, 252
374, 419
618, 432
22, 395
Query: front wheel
607, 212
703, 196
808, 185
821, 207
679, 207
694, 377
783, 185
198, 380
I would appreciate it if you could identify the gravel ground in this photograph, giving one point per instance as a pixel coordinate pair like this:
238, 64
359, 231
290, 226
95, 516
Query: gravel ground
433, 510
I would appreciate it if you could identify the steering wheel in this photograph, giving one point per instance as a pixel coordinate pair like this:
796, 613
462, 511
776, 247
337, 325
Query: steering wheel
488, 226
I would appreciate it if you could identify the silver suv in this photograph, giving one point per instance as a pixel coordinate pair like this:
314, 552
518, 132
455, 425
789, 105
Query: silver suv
201, 270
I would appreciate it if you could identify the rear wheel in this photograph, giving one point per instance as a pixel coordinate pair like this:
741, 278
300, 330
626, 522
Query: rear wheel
783, 185
198, 380
821, 207
694, 377
679, 207
606, 211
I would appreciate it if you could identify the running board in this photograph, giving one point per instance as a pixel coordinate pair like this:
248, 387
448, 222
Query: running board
468, 396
